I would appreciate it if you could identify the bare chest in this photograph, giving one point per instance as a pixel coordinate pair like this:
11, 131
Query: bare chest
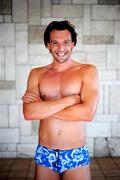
56, 85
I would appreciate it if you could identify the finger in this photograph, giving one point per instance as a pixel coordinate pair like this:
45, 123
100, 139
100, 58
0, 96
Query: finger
30, 97
32, 94
26, 96
29, 100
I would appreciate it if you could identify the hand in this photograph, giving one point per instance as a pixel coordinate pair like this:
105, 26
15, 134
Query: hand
76, 98
73, 99
30, 97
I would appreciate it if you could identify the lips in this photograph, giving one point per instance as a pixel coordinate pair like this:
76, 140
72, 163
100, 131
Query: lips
61, 54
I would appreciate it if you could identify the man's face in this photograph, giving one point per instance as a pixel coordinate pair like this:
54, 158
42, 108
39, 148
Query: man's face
60, 45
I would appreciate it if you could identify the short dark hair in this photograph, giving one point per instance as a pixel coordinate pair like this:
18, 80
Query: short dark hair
60, 25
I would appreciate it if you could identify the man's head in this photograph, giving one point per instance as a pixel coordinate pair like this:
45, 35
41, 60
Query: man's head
60, 25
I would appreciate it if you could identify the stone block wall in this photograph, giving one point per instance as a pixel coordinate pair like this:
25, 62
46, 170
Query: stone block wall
22, 23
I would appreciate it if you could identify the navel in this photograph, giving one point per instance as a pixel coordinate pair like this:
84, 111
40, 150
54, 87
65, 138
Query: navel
59, 132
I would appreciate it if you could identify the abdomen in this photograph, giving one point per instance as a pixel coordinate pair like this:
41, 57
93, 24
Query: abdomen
61, 134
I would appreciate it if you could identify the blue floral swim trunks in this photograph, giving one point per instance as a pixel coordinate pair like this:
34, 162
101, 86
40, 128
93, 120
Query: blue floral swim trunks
61, 160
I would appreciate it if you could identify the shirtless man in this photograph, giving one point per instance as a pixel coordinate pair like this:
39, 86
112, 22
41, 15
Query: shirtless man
62, 96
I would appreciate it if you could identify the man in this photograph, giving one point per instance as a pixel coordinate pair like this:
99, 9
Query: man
63, 96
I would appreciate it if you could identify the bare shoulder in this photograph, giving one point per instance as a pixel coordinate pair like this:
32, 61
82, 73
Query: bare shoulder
90, 74
86, 69
89, 68
39, 71
34, 79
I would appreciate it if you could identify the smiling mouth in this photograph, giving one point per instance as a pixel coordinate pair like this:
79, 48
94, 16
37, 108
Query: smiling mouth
61, 54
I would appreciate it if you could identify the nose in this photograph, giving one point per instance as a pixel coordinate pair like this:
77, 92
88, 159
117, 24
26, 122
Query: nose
61, 47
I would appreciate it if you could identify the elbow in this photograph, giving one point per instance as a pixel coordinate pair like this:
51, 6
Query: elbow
27, 116
26, 113
90, 116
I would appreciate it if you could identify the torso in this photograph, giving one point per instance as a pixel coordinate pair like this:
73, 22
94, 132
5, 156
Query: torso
57, 133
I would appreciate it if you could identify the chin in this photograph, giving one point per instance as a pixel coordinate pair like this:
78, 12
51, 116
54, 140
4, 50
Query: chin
62, 60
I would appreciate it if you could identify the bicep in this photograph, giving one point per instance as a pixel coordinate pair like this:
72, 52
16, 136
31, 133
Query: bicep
89, 91
32, 92
33, 83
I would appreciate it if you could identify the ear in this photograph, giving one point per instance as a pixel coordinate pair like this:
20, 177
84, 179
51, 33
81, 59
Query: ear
73, 44
48, 46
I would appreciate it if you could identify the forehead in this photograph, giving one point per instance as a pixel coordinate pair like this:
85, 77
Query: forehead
60, 34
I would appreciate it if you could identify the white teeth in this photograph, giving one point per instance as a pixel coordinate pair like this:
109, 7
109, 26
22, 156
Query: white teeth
61, 54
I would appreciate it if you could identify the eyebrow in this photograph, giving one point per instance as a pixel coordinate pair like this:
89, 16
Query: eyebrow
64, 40
53, 40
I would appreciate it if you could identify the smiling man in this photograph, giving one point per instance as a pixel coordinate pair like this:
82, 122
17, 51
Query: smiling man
62, 96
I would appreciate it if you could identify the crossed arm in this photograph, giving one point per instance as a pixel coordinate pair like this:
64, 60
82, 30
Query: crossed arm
85, 110
35, 108
66, 108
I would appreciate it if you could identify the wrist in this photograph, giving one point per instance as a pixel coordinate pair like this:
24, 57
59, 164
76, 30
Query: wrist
70, 100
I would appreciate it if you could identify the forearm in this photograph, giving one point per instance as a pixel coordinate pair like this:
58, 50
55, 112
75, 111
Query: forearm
84, 111
44, 109
79, 112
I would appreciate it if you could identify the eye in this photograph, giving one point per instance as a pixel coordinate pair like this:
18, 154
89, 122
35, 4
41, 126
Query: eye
67, 43
54, 42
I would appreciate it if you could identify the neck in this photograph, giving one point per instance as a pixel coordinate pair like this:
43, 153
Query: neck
56, 66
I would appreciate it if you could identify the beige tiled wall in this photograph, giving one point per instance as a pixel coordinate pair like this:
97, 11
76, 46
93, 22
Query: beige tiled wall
22, 23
